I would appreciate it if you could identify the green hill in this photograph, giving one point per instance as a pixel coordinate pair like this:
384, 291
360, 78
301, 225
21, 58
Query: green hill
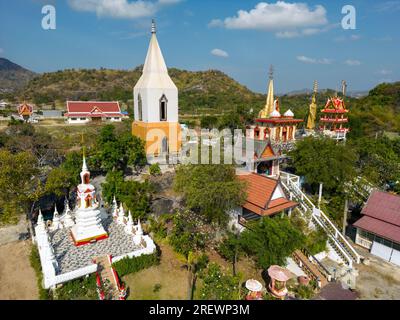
13, 76
199, 92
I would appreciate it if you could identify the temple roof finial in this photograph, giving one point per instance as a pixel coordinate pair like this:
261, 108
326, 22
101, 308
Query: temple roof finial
271, 72
153, 26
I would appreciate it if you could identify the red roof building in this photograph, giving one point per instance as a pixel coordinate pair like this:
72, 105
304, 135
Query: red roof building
86, 111
265, 197
379, 228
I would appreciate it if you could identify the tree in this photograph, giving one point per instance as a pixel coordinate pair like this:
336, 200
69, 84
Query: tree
59, 182
229, 249
135, 195
210, 190
272, 240
18, 182
137, 156
196, 262
115, 152
322, 160
219, 286
185, 236
209, 122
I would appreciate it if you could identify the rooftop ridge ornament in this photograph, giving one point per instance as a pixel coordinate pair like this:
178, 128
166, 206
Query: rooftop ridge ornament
271, 72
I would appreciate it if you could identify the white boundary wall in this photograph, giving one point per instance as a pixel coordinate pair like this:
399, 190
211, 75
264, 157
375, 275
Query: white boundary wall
50, 265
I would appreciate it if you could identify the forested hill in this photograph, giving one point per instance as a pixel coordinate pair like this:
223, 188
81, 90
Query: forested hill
13, 76
199, 91
377, 112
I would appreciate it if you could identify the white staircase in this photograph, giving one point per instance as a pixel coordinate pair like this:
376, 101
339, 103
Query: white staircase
318, 219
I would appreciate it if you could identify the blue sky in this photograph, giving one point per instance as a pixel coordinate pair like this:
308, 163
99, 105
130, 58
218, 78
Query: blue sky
303, 40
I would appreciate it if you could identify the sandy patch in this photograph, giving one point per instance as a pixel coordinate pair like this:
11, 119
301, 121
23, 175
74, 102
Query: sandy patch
17, 278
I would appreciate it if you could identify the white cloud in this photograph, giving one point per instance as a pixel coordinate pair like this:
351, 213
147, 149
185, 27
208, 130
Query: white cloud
385, 72
309, 60
287, 20
353, 37
120, 9
352, 63
388, 6
219, 53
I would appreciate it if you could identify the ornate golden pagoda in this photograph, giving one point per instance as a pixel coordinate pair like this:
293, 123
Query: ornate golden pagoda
269, 105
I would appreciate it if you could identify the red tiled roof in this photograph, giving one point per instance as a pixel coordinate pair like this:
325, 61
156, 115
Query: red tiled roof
260, 190
383, 206
93, 115
90, 106
379, 227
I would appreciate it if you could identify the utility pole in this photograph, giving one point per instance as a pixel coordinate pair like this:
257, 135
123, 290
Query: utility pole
346, 209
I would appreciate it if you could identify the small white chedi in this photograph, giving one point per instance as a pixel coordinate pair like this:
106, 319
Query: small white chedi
88, 226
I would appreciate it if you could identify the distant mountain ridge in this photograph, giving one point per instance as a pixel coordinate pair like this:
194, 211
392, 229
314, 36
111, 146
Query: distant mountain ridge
13, 76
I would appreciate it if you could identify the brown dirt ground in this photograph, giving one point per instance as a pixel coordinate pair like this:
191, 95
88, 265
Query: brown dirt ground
380, 280
17, 278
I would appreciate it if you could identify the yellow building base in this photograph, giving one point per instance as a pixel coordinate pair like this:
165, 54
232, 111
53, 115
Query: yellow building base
160, 137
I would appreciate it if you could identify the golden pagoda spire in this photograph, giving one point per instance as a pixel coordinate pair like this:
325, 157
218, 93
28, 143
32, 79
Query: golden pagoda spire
269, 105
312, 114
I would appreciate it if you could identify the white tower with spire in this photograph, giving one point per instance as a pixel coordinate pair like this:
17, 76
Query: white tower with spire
156, 103
88, 226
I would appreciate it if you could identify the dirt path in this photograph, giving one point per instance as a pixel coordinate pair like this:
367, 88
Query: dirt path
378, 280
17, 278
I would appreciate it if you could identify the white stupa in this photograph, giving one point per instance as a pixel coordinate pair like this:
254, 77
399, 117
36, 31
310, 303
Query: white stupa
88, 227
121, 214
56, 220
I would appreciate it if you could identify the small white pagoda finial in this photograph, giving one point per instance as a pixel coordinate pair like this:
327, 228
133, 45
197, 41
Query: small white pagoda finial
129, 224
139, 230
153, 26
121, 214
40, 217
56, 219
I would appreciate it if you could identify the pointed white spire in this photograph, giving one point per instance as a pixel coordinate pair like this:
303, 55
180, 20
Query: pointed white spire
40, 217
56, 219
129, 224
121, 214
155, 62
84, 166
139, 228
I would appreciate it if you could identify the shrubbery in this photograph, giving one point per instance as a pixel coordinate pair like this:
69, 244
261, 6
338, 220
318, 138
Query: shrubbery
155, 169
78, 289
132, 265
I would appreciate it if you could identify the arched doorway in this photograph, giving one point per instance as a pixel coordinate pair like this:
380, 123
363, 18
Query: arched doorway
164, 145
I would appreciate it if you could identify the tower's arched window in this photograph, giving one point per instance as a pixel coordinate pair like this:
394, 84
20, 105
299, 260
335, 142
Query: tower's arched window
164, 145
140, 107
163, 108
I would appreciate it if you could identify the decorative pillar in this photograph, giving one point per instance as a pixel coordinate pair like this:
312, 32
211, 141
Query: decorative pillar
121, 214
56, 219
129, 224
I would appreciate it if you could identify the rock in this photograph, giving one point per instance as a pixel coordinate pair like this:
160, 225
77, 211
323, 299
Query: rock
162, 206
